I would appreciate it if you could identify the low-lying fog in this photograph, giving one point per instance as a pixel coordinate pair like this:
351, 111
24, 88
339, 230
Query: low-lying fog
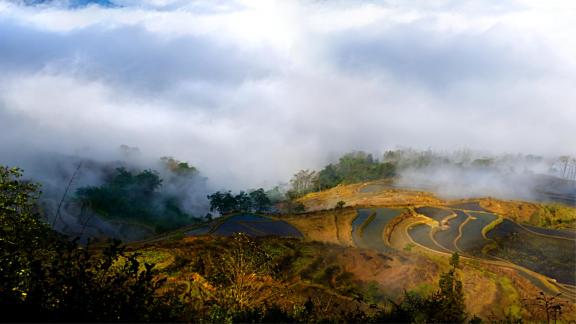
250, 92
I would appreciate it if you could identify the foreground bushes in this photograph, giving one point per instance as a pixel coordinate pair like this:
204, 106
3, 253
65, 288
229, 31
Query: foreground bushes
45, 277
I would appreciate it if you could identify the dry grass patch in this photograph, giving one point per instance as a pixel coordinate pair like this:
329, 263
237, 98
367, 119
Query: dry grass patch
329, 226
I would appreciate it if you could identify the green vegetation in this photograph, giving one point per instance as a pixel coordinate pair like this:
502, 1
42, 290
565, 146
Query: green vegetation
135, 197
351, 168
255, 201
45, 278
554, 216
179, 168
408, 247
492, 225
444, 306
237, 279
21, 234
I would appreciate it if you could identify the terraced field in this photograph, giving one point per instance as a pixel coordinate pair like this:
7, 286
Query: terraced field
567, 234
472, 240
545, 257
553, 257
250, 224
435, 213
369, 233
357, 224
446, 237
531, 251
421, 234
374, 187
473, 206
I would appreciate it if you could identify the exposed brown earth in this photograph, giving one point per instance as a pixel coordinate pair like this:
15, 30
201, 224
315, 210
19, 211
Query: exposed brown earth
329, 226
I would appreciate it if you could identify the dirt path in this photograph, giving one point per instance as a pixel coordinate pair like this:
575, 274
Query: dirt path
455, 242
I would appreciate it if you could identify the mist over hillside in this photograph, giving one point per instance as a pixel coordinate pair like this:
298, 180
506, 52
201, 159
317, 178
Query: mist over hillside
288, 161
250, 92
451, 175
232, 85
62, 176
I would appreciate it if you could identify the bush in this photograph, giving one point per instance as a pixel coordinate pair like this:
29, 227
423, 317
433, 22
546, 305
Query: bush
44, 277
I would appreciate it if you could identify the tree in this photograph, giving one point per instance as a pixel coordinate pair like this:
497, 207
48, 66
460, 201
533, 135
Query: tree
254, 201
451, 295
450, 298
455, 260
22, 234
135, 196
45, 277
260, 201
444, 306
180, 168
303, 181
354, 167
223, 202
545, 306
329, 177
340, 204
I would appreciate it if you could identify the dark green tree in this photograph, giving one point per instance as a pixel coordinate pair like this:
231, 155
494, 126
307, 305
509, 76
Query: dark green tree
243, 202
329, 177
22, 234
223, 202
354, 167
260, 201
450, 297
46, 278
226, 202
135, 196
455, 260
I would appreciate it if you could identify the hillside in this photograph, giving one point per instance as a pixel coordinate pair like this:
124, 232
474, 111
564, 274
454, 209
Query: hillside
388, 241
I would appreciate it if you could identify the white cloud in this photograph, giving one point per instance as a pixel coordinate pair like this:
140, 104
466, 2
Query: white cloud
251, 91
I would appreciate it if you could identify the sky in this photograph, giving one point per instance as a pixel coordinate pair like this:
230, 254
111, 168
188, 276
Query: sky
252, 91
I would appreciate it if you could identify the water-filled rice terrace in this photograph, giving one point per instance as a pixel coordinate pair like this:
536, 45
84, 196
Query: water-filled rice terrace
465, 228
472, 231
422, 234
368, 227
254, 225
472, 240
447, 236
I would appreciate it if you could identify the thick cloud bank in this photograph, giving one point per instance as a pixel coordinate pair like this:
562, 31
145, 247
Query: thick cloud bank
250, 91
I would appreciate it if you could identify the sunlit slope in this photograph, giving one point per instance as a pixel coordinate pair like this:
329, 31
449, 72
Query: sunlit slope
505, 259
496, 265
398, 249
384, 193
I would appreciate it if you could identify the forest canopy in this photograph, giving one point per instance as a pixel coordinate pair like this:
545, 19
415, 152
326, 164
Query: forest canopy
135, 197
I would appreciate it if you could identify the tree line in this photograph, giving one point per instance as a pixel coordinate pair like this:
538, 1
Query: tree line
350, 168
135, 196
255, 201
